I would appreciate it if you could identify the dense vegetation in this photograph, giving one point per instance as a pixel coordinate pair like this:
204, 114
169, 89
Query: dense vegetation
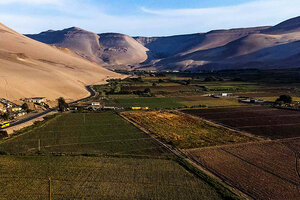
179, 90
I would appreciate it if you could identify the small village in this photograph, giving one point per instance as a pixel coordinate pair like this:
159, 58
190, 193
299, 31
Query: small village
10, 110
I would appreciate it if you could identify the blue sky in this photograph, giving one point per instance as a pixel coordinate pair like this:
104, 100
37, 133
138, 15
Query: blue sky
144, 17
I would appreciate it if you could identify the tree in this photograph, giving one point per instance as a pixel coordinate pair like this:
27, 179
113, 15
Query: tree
147, 90
62, 105
103, 94
188, 82
25, 107
285, 99
117, 89
6, 116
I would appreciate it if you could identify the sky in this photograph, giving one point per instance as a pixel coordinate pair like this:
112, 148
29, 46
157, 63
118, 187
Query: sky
144, 17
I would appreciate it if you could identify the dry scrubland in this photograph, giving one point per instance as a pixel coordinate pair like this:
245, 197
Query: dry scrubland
96, 156
184, 131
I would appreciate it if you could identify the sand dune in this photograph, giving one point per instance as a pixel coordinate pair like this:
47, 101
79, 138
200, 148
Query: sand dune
29, 68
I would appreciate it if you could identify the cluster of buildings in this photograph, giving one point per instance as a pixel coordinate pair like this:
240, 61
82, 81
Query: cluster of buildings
254, 101
15, 110
221, 95
38, 100
12, 108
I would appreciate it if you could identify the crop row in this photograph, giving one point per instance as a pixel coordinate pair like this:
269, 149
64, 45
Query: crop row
98, 178
266, 170
93, 133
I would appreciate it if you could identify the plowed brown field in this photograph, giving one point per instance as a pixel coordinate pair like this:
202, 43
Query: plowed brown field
258, 120
264, 170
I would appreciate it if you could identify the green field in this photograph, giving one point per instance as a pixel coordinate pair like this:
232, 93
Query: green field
127, 101
97, 156
174, 91
85, 133
151, 102
98, 178
228, 86
191, 101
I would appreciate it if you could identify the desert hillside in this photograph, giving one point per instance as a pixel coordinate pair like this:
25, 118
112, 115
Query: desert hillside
106, 49
268, 48
29, 68
258, 47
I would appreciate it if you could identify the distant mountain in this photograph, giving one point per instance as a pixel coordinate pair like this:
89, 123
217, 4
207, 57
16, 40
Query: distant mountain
289, 26
258, 47
106, 49
29, 68
163, 47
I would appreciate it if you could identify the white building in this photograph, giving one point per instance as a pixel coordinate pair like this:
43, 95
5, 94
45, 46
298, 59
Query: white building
36, 100
95, 103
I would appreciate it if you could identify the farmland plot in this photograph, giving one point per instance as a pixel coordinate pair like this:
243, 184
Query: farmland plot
151, 102
96, 156
85, 133
264, 170
76, 177
258, 120
184, 131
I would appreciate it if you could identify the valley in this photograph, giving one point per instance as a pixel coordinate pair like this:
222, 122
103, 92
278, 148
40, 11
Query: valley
103, 112
155, 133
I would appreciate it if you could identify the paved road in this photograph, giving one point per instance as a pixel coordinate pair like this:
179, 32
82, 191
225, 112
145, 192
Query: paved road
89, 88
30, 118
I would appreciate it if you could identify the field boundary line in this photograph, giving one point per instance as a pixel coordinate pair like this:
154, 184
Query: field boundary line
103, 136
296, 156
180, 154
70, 144
274, 125
219, 177
247, 143
271, 116
261, 168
